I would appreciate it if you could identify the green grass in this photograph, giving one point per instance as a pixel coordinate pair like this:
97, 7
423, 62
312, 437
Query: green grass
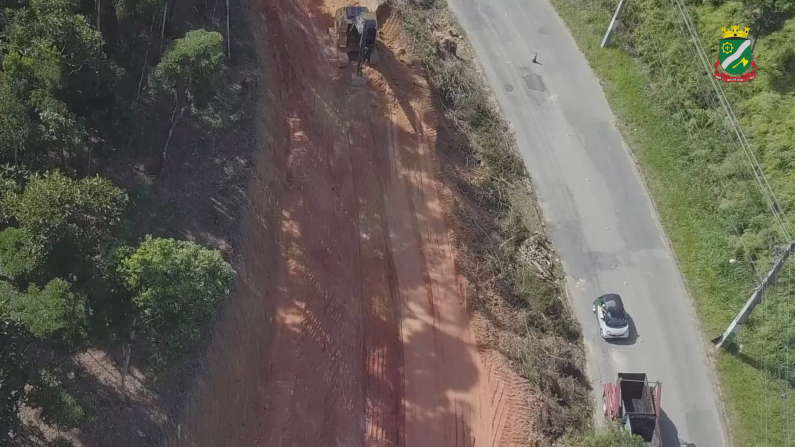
687, 210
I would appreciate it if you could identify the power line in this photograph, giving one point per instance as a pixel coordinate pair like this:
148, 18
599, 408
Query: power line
764, 184
700, 128
696, 41
780, 352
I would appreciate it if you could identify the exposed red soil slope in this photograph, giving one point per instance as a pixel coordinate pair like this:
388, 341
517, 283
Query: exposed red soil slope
348, 325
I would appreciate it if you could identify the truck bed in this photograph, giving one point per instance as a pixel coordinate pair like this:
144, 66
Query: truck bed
638, 399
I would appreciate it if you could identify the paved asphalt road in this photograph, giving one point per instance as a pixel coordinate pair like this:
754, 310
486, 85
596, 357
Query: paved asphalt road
598, 212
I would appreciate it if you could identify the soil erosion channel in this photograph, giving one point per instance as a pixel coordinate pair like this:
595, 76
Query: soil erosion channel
348, 325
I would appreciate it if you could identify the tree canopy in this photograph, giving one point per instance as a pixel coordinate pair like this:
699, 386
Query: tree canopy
53, 311
192, 63
176, 284
74, 101
52, 207
19, 254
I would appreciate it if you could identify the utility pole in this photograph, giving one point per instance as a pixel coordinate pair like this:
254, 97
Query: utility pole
614, 23
228, 38
727, 337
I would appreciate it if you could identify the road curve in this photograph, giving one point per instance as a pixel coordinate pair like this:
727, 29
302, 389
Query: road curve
598, 211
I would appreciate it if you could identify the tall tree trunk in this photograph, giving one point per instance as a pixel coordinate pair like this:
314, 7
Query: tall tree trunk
62, 156
175, 117
146, 59
163, 28
126, 351
228, 39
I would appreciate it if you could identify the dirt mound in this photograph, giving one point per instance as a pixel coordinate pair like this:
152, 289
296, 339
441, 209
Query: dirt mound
348, 324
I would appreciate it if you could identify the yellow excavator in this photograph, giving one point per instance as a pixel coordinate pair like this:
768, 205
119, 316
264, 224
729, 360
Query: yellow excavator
354, 33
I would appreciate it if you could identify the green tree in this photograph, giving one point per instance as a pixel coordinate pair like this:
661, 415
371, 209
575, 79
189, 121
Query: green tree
175, 286
55, 70
768, 15
188, 72
29, 82
126, 9
53, 206
16, 127
13, 368
88, 75
54, 311
191, 64
19, 254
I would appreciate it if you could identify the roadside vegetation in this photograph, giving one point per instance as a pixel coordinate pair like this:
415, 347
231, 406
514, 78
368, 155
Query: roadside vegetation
502, 247
611, 436
701, 183
80, 272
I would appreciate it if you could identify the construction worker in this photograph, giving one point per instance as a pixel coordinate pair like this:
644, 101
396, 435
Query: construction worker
366, 58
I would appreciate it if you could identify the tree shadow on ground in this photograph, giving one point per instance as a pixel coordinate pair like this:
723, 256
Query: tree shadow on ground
94, 382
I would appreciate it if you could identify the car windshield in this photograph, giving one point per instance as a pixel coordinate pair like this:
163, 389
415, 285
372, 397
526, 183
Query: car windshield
615, 319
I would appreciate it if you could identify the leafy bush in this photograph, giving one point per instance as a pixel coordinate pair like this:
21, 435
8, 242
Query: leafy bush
611, 436
192, 63
53, 206
54, 311
176, 285
18, 253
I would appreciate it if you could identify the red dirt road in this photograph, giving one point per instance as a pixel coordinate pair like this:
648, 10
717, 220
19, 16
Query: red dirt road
348, 325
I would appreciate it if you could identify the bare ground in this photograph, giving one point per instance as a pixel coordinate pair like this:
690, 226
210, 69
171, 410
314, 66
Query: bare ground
348, 325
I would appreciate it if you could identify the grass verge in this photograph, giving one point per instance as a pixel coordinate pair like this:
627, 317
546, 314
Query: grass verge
687, 210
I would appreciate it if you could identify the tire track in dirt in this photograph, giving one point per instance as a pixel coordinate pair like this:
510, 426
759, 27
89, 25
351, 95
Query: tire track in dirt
380, 317
495, 409
361, 335
304, 387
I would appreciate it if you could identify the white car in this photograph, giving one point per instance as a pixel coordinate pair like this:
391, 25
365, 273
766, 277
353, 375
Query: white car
613, 321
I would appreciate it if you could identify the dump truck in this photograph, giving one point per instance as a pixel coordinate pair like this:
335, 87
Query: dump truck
634, 403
